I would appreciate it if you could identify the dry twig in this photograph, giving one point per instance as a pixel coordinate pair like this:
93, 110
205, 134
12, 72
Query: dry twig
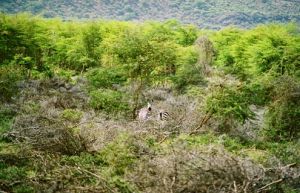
266, 186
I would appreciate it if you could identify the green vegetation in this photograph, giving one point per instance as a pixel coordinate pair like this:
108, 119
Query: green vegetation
70, 92
283, 114
106, 77
71, 115
6, 115
265, 49
107, 100
9, 77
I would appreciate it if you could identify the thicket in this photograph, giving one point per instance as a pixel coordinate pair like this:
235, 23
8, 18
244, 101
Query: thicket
265, 49
266, 62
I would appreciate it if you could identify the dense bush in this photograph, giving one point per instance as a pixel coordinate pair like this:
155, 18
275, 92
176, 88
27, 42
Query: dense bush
270, 48
283, 116
223, 41
188, 73
124, 50
144, 52
259, 90
121, 153
106, 77
9, 78
228, 103
264, 59
108, 100
6, 119
14, 172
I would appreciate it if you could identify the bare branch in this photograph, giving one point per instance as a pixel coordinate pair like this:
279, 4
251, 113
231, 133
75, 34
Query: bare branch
270, 184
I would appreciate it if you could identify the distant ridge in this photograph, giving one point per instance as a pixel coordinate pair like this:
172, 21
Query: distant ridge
212, 14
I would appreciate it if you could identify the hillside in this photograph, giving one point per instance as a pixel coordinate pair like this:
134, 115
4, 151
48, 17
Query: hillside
212, 14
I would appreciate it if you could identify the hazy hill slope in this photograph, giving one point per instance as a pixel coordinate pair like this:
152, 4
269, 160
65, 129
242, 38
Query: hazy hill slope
204, 13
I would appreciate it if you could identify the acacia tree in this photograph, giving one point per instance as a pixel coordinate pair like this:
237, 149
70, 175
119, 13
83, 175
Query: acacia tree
135, 53
142, 56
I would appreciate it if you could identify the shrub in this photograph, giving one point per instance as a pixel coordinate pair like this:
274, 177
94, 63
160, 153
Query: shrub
188, 73
6, 119
108, 100
120, 157
24, 61
287, 152
9, 77
106, 77
223, 42
268, 48
283, 116
227, 102
72, 115
11, 173
120, 154
258, 90
14, 169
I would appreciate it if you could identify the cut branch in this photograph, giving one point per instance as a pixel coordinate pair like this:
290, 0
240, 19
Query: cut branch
205, 119
270, 184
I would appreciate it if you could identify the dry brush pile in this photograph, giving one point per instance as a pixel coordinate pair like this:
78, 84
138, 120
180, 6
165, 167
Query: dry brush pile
48, 111
54, 116
180, 167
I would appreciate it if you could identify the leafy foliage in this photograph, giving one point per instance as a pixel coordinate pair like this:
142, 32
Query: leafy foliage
106, 77
228, 103
108, 100
72, 115
265, 49
283, 121
6, 119
187, 73
9, 77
